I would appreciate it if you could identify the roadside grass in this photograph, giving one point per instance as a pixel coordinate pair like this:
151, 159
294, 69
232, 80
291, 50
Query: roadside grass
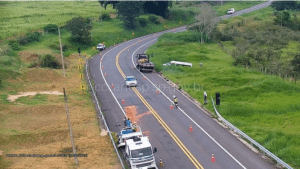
21, 17
263, 106
33, 100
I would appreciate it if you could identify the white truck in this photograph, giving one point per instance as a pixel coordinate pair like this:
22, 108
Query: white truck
137, 150
139, 153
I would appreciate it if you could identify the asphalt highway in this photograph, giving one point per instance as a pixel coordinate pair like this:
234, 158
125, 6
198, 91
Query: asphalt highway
168, 129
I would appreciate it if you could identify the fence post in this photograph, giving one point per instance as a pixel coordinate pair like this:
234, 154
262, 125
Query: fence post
70, 128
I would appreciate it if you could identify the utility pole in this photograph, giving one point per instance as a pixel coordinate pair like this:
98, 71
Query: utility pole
61, 53
70, 128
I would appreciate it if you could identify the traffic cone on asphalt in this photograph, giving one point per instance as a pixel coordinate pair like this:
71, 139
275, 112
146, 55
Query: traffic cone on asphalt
161, 163
105, 74
102, 67
101, 60
213, 160
123, 102
171, 107
144, 78
157, 92
112, 86
191, 128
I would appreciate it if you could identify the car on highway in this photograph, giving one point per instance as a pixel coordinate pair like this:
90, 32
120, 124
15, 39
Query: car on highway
231, 11
130, 81
100, 46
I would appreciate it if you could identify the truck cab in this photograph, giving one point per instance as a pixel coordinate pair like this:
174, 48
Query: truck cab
139, 153
143, 63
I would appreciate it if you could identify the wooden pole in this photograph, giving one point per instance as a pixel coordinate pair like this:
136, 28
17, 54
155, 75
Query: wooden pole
70, 128
61, 53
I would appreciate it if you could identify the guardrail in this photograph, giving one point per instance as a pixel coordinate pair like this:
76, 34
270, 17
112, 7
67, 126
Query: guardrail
264, 150
100, 112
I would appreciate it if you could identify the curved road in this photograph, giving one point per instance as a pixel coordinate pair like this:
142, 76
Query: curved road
168, 129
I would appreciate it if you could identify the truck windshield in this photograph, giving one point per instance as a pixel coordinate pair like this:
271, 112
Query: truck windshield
141, 152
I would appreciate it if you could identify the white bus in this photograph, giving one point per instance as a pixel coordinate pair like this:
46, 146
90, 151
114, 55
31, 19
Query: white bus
181, 63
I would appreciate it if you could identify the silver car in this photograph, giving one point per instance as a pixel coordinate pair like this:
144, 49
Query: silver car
130, 81
100, 46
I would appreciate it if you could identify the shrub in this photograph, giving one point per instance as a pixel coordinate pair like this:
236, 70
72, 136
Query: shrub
50, 61
142, 22
57, 47
29, 37
153, 19
14, 44
80, 30
51, 28
105, 17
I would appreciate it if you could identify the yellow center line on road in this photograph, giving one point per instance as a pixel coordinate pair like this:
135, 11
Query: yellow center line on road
159, 119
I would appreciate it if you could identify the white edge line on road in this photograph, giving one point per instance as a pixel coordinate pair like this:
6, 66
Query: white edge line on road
183, 111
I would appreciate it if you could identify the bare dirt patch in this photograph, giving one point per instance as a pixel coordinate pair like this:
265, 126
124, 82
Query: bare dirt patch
13, 98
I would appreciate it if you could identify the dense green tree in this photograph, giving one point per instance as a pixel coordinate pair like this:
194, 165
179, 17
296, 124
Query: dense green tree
128, 11
105, 3
283, 5
80, 30
282, 18
157, 7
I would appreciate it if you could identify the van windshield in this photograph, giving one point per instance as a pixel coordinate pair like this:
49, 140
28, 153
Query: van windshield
141, 152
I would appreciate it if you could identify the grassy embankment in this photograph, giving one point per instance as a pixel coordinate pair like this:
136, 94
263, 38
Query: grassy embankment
265, 107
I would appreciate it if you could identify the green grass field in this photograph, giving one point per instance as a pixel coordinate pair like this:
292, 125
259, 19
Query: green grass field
21, 17
263, 106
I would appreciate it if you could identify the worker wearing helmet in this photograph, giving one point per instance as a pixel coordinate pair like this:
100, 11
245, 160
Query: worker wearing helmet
134, 127
175, 100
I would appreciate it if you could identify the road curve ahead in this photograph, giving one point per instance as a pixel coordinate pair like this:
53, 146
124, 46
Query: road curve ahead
168, 129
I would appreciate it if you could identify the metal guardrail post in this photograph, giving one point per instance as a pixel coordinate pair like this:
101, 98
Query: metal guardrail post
264, 150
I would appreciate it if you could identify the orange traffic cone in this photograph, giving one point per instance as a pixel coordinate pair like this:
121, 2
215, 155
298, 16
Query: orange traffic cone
112, 86
105, 74
101, 60
157, 92
128, 50
171, 107
144, 78
213, 160
123, 102
102, 67
191, 128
